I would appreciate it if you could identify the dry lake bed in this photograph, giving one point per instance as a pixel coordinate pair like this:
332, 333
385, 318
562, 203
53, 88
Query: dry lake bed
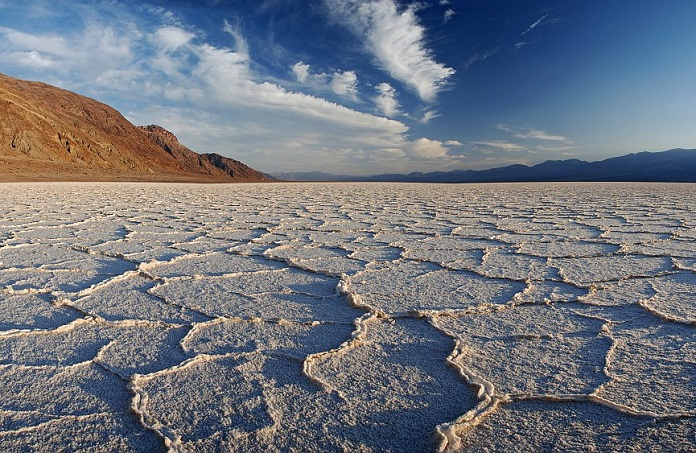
347, 317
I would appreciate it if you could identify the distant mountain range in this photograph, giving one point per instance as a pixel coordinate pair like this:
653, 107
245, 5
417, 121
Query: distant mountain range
676, 165
50, 134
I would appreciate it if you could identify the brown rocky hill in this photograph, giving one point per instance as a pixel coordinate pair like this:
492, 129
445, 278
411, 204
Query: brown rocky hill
207, 164
50, 134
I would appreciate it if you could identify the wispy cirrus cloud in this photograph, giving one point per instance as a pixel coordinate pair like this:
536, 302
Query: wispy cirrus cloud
511, 42
396, 40
170, 38
449, 12
532, 134
524, 140
428, 115
535, 24
543, 20
502, 145
481, 56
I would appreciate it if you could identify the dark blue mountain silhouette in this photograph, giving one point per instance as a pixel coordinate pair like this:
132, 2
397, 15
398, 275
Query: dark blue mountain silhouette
676, 165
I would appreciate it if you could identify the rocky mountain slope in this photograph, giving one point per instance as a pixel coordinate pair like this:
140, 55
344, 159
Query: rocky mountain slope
207, 164
50, 134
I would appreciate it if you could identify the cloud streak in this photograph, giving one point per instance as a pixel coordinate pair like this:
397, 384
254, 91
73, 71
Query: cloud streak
532, 141
396, 40
501, 144
532, 134
535, 24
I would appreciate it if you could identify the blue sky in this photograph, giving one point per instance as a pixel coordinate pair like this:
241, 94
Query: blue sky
373, 86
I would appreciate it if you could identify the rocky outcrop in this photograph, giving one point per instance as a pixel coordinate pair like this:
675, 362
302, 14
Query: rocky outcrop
208, 164
51, 134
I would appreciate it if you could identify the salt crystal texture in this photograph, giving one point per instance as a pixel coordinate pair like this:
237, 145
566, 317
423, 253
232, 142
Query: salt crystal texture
347, 317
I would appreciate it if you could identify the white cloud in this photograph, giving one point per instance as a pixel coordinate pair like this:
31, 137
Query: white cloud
532, 134
428, 116
429, 149
43, 44
501, 144
535, 24
396, 40
481, 56
543, 135
89, 51
521, 44
31, 59
449, 14
386, 100
342, 83
225, 70
167, 40
345, 84
241, 46
533, 141
170, 38
556, 148
301, 71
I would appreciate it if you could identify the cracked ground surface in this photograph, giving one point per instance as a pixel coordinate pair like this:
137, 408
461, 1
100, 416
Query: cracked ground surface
347, 317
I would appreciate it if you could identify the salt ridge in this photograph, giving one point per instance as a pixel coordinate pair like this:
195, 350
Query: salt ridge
294, 300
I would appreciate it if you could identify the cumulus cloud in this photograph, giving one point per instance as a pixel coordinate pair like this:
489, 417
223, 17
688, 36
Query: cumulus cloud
301, 71
342, 83
345, 84
430, 149
396, 40
386, 100
305, 75
449, 14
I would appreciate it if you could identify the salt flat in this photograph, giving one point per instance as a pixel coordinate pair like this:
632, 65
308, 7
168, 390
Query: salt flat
347, 317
